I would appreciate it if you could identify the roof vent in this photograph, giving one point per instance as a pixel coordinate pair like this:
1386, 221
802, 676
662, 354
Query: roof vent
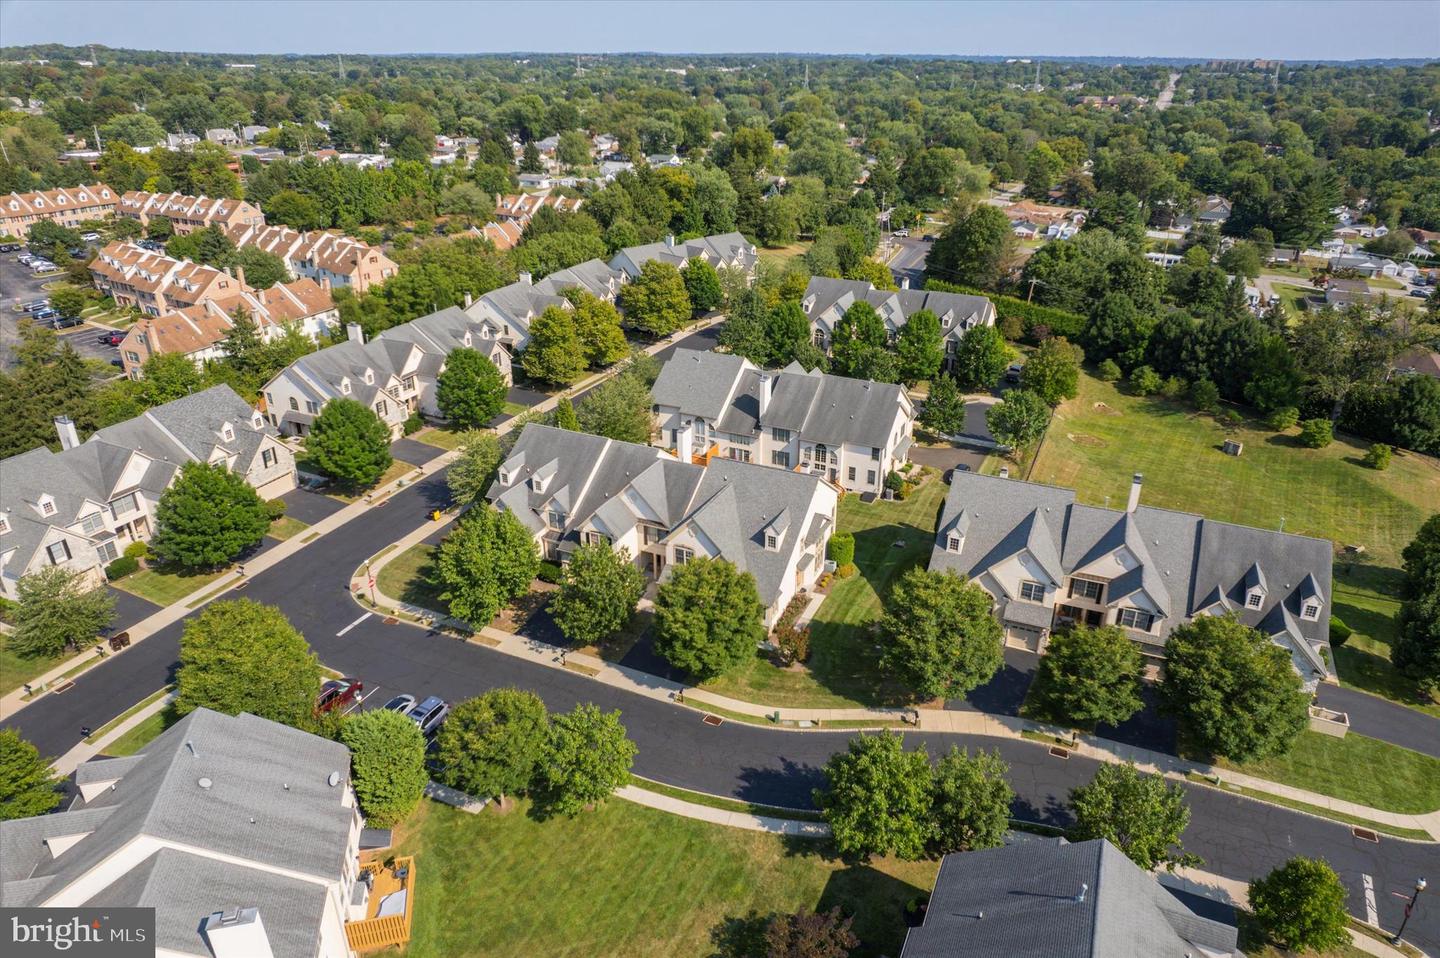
191, 746
1080, 897
333, 780
204, 783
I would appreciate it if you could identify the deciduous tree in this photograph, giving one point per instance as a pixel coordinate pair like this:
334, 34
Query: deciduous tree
1019, 419
656, 302
487, 561
598, 593
810, 934
1089, 677
588, 759
877, 798
495, 744
941, 638
970, 801
240, 656
1137, 813
1053, 372
207, 517
28, 785
918, 349
981, 356
57, 612
619, 409
387, 764
1301, 906
349, 442
708, 617
944, 410
469, 475
702, 285
471, 390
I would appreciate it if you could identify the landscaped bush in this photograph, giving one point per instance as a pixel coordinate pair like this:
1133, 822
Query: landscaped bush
896, 484
1109, 371
1205, 395
1339, 632
274, 509
8, 608
121, 567
794, 644
1316, 433
137, 550
841, 551
1284, 418
414, 424
1378, 456
550, 572
1144, 381
1173, 388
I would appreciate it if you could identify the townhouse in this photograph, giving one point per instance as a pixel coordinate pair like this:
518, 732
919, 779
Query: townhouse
507, 312
242, 834
519, 208
850, 432
572, 488
826, 301
199, 331
1049, 561
325, 257
188, 213
69, 207
725, 250
81, 506
157, 284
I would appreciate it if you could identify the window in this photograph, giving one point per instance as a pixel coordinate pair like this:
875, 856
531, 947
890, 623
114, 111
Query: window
1032, 591
1086, 589
1134, 619
1311, 610
952, 543
650, 535
4, 525
268, 458
408, 382
92, 523
683, 555
312, 407
345, 386
875, 453
380, 408
133, 356
1254, 600
850, 474
47, 508
781, 459
504, 478
596, 538
123, 505
772, 541
738, 455
107, 551
227, 433
870, 477
555, 519
59, 552
780, 435
294, 404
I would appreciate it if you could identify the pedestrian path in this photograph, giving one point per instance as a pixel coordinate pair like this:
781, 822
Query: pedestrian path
720, 816
84, 752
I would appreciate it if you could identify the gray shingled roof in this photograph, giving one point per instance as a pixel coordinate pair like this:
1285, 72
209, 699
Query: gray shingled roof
827, 299
1051, 899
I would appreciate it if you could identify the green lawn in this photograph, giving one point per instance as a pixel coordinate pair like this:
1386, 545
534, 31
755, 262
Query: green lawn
629, 882
1292, 297
144, 733
16, 670
406, 577
1363, 601
782, 255
843, 671
285, 527
1399, 780
163, 586
439, 436
347, 495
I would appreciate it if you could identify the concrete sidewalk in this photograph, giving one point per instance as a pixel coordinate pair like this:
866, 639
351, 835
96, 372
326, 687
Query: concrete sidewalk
720, 816
84, 752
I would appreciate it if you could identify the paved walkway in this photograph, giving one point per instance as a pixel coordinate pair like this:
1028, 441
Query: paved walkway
84, 752
720, 816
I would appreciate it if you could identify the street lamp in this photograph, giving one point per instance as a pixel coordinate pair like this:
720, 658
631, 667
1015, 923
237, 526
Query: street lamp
1409, 907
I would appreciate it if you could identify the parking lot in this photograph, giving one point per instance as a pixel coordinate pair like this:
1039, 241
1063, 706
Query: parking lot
19, 285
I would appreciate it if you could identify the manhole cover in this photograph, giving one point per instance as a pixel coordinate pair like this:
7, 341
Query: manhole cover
1365, 834
1059, 752
712, 720
391, 620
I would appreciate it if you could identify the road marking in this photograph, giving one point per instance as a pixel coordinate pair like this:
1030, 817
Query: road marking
1372, 916
353, 624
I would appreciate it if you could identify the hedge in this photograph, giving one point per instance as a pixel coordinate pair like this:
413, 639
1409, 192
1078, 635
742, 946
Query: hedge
841, 549
137, 550
121, 567
550, 572
1058, 321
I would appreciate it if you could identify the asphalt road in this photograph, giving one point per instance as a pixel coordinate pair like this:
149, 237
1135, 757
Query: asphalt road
1237, 838
909, 263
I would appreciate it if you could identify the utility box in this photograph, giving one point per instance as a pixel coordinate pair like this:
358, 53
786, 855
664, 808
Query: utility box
1233, 447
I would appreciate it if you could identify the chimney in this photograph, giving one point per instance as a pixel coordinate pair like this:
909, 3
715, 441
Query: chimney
469, 300
240, 275
1135, 492
354, 333
764, 392
904, 282
237, 934
526, 278
669, 239
685, 442
65, 427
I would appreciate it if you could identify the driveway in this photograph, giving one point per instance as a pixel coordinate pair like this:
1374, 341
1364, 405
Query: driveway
1373, 716
129, 609
952, 455
413, 451
909, 261
1005, 692
310, 507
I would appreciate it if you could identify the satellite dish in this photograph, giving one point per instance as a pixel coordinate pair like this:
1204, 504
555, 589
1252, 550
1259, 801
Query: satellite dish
334, 779
204, 783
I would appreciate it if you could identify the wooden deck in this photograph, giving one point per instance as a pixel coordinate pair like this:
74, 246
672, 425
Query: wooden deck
381, 932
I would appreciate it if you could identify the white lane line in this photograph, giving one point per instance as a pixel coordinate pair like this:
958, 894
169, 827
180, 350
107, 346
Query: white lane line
1372, 916
353, 624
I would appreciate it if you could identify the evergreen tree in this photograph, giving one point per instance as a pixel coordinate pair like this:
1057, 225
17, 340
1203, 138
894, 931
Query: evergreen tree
565, 417
387, 765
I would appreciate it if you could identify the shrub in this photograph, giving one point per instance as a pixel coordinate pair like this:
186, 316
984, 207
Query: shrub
1301, 905
1284, 418
137, 550
1229, 419
1316, 433
1039, 322
274, 509
550, 572
1109, 371
1378, 456
1339, 632
414, 424
121, 567
841, 549
1144, 381
1173, 388
1012, 327
794, 643
896, 484
1205, 395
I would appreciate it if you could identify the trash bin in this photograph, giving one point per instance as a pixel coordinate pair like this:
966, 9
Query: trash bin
119, 641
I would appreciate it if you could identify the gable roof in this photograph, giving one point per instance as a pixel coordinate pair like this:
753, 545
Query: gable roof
826, 301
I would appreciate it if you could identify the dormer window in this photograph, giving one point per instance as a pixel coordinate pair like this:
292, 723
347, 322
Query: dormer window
772, 542
369, 377
467, 340
504, 478
227, 433
1310, 611
1255, 599
345, 387
256, 422
952, 543
4, 525
47, 506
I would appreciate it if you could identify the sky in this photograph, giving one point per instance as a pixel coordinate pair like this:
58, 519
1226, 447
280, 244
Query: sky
1271, 29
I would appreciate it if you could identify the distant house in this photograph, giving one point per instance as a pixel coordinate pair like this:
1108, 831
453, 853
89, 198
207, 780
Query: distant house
1367, 265
720, 251
80, 507
1047, 898
657, 160
326, 257
850, 431
826, 301
188, 213
1343, 292
1048, 561
609, 169
536, 181
503, 236
1424, 362
157, 284
571, 489
1025, 229
224, 136
67, 206
520, 207
251, 133
180, 141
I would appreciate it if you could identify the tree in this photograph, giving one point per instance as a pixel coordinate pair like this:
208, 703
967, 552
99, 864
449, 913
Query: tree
981, 356
976, 249
470, 391
133, 129
28, 785
877, 798
530, 161
858, 344
810, 934
1205, 395
349, 442
69, 300
597, 323
240, 656
941, 638
787, 336
1137, 813
918, 349
1301, 906
495, 744
970, 801
1089, 677
944, 410
702, 285
1233, 691
1144, 381
554, 353
656, 302
487, 561
207, 517
573, 149
387, 764
1042, 169
1416, 651
589, 757
1242, 259
708, 617
262, 269
56, 612
1117, 330
598, 593
744, 332
1053, 372
619, 409
166, 377
469, 475
1018, 419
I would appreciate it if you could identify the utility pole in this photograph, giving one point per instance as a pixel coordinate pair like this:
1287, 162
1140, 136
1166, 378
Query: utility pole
98, 146
807, 75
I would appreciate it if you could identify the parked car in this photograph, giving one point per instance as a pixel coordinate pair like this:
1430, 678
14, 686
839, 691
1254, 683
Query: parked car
76, 252
46, 314
928, 238
91, 237
900, 232
9, 247
429, 713
401, 704
25, 259
112, 338
1420, 293
342, 694
35, 305
1012, 375
65, 322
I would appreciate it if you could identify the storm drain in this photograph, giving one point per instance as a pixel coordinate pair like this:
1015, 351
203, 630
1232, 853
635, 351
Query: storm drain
1059, 752
1365, 834
712, 720
391, 620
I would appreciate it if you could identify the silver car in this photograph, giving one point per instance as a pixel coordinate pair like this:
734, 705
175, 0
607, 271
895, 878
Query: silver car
401, 704
429, 713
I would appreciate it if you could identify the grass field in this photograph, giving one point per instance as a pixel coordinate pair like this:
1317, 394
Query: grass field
16, 670
163, 586
1362, 603
843, 670
630, 882
782, 255
406, 577
286, 527
144, 733
1291, 297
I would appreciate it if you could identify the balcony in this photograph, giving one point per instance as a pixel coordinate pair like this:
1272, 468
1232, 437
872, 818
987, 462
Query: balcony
390, 906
